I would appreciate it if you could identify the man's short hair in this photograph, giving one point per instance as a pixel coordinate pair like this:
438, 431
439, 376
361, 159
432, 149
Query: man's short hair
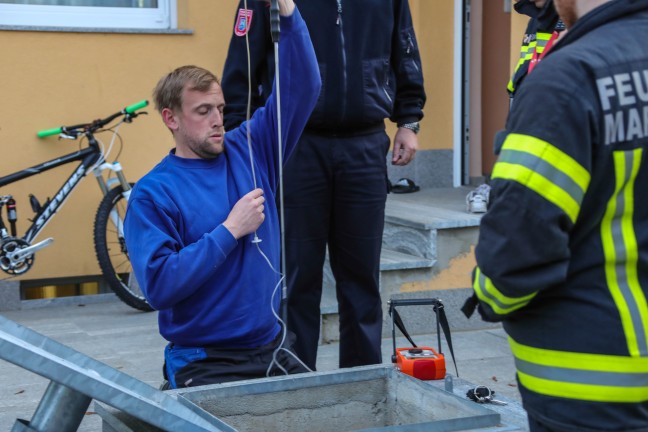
168, 91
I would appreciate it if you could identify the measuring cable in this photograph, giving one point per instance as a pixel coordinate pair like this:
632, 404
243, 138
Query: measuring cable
275, 33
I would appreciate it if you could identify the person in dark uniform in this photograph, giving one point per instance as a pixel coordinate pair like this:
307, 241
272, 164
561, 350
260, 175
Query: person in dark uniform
543, 28
336, 181
562, 256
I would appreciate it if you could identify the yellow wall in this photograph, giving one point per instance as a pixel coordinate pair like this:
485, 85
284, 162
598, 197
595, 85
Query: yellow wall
434, 26
518, 25
51, 79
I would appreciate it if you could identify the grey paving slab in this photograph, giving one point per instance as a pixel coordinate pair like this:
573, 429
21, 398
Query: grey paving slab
128, 340
132, 346
9, 295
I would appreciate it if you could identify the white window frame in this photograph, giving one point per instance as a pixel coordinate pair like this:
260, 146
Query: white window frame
164, 17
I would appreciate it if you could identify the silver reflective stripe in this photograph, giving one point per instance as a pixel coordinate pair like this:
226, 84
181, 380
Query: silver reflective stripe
621, 254
579, 376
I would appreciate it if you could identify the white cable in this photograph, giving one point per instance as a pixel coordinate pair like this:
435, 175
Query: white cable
256, 239
280, 347
284, 331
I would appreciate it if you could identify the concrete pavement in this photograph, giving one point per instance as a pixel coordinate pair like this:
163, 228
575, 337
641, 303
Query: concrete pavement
128, 340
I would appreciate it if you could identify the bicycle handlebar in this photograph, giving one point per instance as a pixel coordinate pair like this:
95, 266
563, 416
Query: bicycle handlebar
132, 108
48, 132
128, 111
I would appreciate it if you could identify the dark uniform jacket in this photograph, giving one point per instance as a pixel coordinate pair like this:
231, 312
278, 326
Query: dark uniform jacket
368, 57
563, 250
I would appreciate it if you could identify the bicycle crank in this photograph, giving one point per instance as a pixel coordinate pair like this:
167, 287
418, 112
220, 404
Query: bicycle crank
17, 256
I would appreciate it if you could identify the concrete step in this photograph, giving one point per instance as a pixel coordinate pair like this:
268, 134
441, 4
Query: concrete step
412, 226
428, 252
392, 260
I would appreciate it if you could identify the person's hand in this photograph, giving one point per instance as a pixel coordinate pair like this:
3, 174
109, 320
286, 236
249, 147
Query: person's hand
405, 146
247, 214
286, 7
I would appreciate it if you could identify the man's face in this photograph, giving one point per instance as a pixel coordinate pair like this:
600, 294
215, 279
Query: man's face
567, 11
198, 128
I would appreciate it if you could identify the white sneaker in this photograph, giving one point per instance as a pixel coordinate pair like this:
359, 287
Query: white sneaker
483, 190
477, 200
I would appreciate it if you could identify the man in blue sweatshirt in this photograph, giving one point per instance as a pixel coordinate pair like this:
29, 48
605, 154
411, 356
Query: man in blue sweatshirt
202, 228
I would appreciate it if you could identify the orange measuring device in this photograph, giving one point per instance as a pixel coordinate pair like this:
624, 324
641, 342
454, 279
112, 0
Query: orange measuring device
424, 363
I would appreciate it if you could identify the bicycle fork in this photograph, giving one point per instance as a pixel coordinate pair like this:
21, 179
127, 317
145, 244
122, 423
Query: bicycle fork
106, 185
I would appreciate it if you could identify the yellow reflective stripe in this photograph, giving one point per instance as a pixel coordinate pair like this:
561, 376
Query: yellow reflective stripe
526, 54
595, 377
510, 86
584, 391
621, 253
529, 54
550, 154
489, 294
539, 184
541, 40
545, 169
579, 361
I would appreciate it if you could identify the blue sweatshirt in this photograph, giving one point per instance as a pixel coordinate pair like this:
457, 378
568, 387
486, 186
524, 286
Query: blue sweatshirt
210, 289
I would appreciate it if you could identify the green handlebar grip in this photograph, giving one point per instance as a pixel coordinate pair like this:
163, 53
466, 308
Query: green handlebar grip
48, 132
131, 109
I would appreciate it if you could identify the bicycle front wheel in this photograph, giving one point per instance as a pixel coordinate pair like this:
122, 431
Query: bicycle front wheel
112, 254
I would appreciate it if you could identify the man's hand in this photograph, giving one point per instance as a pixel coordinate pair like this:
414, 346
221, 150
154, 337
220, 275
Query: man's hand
405, 146
247, 214
286, 7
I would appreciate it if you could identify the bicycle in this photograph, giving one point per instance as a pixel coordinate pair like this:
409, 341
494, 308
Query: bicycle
17, 253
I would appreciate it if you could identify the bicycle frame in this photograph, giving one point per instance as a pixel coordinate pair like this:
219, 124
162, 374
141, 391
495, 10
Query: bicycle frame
17, 254
88, 156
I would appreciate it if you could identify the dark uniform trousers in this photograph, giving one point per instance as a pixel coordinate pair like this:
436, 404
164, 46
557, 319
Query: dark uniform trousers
335, 193
196, 366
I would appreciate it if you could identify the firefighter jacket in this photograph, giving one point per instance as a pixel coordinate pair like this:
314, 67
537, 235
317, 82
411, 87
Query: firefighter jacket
562, 257
542, 23
367, 53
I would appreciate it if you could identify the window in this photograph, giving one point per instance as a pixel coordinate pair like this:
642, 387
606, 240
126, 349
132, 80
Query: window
139, 14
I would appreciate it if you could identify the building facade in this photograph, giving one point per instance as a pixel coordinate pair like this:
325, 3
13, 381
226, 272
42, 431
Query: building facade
70, 64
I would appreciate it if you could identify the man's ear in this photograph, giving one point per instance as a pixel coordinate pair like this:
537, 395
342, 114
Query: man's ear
169, 119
